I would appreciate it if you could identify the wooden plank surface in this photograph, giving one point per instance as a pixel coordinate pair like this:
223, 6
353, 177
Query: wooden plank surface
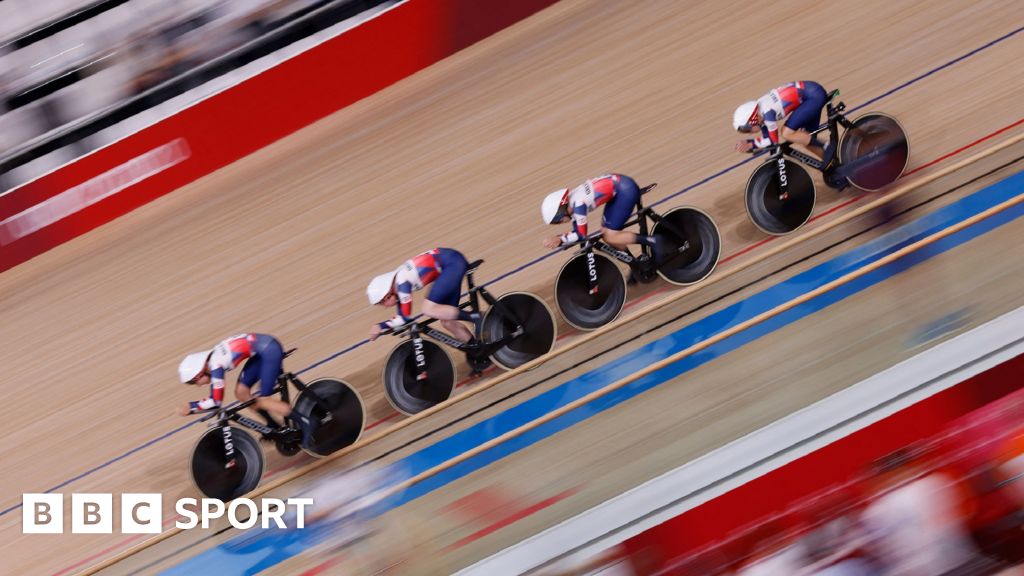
458, 155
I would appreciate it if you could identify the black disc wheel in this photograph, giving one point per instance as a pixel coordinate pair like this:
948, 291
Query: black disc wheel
520, 309
337, 411
226, 463
689, 245
405, 390
580, 308
874, 152
769, 211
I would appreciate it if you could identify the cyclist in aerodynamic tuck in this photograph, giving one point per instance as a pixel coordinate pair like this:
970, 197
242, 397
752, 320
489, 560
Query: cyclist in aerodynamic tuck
263, 356
619, 195
796, 107
443, 269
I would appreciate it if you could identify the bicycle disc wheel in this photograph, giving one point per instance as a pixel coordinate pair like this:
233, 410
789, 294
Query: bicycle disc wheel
874, 152
409, 395
690, 243
581, 309
347, 415
209, 466
772, 214
538, 323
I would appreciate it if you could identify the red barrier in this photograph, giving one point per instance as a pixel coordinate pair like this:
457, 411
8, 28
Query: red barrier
219, 130
779, 490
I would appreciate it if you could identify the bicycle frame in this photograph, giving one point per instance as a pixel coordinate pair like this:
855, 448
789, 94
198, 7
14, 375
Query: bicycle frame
232, 414
835, 119
417, 330
643, 214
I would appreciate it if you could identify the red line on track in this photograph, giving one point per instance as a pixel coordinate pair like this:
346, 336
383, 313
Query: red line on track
99, 554
632, 303
971, 145
107, 550
857, 198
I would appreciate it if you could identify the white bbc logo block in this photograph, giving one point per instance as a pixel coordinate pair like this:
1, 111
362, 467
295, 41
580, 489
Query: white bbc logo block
141, 513
92, 513
42, 513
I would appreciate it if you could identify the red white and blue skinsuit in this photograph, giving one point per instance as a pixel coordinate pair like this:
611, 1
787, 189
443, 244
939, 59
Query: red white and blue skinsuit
262, 354
799, 103
443, 267
619, 194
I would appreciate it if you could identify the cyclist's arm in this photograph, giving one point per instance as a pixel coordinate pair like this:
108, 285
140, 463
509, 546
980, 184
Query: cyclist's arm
404, 292
770, 130
216, 397
579, 224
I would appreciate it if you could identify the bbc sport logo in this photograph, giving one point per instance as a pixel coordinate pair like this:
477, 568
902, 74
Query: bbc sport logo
142, 513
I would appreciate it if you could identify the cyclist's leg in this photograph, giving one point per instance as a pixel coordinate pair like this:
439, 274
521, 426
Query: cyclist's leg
617, 211
270, 355
248, 377
806, 118
443, 301
243, 388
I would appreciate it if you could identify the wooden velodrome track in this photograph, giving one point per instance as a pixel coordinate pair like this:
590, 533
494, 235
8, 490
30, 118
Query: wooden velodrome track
459, 155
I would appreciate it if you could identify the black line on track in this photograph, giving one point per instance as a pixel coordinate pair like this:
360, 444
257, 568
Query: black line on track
715, 300
689, 312
166, 557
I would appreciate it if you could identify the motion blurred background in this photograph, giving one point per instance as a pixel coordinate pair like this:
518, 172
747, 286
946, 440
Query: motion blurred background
76, 75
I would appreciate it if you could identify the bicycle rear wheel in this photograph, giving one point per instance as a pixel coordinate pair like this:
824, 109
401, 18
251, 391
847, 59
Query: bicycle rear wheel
218, 474
409, 395
581, 309
538, 337
874, 152
690, 243
338, 408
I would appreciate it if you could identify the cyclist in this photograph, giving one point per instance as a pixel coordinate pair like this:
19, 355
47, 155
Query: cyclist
619, 195
799, 103
444, 268
262, 355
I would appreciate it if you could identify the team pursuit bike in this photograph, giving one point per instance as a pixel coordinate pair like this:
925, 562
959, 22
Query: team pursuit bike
227, 462
516, 328
590, 289
873, 152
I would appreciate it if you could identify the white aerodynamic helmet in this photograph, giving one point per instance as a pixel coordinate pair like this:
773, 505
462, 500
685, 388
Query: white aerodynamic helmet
192, 366
552, 209
743, 115
379, 287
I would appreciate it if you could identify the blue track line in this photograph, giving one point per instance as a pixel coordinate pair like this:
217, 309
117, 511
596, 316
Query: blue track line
541, 258
255, 550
